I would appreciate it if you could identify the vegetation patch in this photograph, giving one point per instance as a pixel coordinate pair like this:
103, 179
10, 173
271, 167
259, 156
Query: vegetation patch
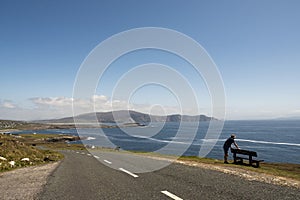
287, 170
64, 146
15, 153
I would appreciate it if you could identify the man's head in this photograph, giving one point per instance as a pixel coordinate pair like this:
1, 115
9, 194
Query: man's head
232, 136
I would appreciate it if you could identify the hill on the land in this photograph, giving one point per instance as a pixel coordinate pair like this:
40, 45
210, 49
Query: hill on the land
125, 116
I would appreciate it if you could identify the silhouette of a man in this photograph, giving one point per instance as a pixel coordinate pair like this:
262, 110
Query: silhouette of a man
227, 145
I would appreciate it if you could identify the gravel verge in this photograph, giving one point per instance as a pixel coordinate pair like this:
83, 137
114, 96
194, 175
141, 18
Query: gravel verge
25, 183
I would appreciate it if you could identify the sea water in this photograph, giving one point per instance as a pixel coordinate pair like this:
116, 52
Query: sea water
273, 140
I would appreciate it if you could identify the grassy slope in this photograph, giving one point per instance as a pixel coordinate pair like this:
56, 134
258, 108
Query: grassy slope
14, 150
278, 169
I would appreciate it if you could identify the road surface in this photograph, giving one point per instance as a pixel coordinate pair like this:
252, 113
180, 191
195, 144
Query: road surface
82, 176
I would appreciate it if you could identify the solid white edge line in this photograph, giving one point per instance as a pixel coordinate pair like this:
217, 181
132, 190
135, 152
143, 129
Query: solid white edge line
169, 194
107, 161
128, 172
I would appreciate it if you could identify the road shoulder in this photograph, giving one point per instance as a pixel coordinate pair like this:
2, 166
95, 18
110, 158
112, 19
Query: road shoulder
25, 183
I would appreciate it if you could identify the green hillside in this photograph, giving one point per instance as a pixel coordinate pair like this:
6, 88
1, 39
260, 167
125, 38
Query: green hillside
12, 151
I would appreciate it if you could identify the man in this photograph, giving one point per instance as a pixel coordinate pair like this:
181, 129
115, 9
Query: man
227, 145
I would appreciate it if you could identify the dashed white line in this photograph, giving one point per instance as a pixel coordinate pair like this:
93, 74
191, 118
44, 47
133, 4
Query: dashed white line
82, 153
169, 194
165, 192
128, 172
107, 161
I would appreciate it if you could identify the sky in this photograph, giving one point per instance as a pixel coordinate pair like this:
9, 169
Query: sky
254, 44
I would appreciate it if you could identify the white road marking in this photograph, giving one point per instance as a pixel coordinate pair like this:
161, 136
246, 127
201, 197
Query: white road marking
96, 157
89, 154
107, 161
77, 152
169, 194
128, 172
82, 153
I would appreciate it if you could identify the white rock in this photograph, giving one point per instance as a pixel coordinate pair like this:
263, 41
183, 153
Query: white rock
25, 159
2, 158
12, 163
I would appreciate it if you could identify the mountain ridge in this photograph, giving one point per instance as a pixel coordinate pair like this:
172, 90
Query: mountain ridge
125, 116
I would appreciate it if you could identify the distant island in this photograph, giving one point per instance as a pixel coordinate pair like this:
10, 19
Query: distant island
126, 117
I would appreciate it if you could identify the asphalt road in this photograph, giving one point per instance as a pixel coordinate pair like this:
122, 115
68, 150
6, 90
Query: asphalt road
82, 176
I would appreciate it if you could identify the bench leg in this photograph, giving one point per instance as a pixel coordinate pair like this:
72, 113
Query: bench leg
239, 161
256, 163
234, 158
250, 160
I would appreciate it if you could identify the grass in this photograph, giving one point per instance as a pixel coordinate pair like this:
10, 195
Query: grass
38, 136
14, 150
287, 170
282, 169
64, 146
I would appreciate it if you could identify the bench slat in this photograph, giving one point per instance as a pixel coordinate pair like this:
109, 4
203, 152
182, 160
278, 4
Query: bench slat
244, 152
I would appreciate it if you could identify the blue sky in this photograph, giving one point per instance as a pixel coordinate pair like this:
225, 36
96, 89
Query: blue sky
255, 45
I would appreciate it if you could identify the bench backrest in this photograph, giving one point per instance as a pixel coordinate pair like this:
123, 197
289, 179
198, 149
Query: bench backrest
244, 152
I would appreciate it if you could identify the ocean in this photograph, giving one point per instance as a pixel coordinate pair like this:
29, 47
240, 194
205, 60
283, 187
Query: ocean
273, 140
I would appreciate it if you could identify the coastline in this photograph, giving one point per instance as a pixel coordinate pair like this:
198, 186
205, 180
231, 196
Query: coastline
268, 172
243, 171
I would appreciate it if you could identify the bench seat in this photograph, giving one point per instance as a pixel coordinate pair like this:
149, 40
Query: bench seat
240, 160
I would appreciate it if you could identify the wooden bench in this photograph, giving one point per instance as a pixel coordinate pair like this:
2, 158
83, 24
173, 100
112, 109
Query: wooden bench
250, 154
